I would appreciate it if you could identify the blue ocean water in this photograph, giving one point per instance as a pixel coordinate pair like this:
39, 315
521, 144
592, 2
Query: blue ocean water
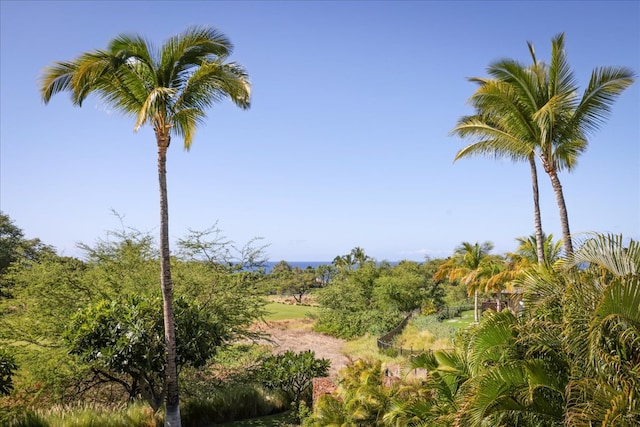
300, 264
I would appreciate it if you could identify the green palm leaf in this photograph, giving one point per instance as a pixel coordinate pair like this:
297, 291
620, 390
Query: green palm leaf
609, 252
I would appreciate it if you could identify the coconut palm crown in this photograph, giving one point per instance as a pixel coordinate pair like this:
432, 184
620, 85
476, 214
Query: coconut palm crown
169, 89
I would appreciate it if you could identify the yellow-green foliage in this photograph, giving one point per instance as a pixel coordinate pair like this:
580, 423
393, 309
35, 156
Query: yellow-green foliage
366, 347
426, 333
137, 415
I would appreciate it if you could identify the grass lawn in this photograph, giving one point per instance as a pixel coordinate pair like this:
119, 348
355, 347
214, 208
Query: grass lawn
278, 311
461, 322
270, 421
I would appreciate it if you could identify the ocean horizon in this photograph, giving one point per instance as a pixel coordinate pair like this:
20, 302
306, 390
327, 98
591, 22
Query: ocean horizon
304, 264
299, 264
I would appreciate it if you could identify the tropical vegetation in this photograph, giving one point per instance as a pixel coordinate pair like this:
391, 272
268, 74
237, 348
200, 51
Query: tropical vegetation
92, 340
169, 89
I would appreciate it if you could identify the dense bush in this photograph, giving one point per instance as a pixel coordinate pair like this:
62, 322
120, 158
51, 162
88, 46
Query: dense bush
292, 373
373, 298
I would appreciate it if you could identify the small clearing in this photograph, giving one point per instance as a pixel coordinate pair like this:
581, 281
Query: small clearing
297, 335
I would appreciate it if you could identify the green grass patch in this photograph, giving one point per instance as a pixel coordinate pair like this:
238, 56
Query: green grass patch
278, 311
461, 322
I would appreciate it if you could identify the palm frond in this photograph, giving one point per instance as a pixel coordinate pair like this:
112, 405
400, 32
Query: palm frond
56, 78
609, 252
605, 85
189, 50
493, 142
615, 327
154, 107
493, 342
522, 80
561, 79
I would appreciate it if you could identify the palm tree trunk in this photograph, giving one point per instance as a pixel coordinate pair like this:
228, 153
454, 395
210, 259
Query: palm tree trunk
476, 314
562, 207
536, 210
172, 405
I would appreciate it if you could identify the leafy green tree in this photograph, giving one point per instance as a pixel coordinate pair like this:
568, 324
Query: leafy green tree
170, 90
374, 297
47, 293
407, 287
227, 279
14, 247
297, 282
123, 342
348, 305
293, 373
325, 273
210, 246
281, 267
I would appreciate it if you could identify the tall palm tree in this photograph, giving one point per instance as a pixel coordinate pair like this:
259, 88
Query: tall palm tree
169, 89
501, 130
466, 266
563, 119
540, 103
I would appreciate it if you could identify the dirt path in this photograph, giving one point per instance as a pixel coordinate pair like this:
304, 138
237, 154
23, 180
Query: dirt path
297, 335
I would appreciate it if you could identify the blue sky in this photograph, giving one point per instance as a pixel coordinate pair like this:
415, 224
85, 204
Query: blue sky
347, 141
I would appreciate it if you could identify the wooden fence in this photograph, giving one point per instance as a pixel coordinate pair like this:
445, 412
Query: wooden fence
386, 342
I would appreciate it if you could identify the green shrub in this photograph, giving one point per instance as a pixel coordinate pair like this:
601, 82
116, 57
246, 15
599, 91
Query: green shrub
351, 324
293, 373
231, 404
